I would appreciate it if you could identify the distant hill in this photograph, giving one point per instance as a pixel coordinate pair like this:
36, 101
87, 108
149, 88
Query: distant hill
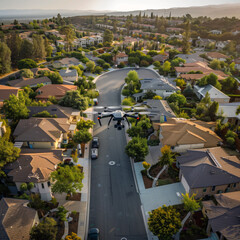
213, 11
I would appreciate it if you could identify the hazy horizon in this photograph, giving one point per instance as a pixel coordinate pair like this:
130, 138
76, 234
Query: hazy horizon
104, 5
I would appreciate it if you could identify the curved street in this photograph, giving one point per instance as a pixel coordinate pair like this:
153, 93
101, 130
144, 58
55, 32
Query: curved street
115, 206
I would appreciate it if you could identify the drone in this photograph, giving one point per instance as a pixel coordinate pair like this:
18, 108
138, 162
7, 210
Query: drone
117, 115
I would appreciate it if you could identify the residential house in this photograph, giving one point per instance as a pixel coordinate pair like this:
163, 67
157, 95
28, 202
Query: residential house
235, 32
7, 26
36, 71
223, 215
31, 82
209, 171
237, 63
66, 62
221, 44
121, 57
175, 22
228, 111
55, 90
36, 166
176, 30
46, 133
161, 57
159, 110
73, 115
215, 94
182, 134
216, 32
61, 43
6, 91
216, 55
129, 41
161, 86
177, 36
70, 75
204, 43
16, 219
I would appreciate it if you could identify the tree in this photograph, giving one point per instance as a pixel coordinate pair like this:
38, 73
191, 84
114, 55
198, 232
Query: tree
27, 63
8, 153
180, 82
98, 69
108, 36
26, 50
75, 100
85, 124
178, 98
164, 222
210, 79
186, 38
166, 67
55, 77
188, 91
67, 179
69, 36
215, 64
213, 109
5, 58
132, 76
157, 97
62, 213
137, 149
15, 107
82, 136
14, 43
238, 110
47, 230
73, 236
23, 187
190, 204
38, 47
167, 157
27, 73
90, 66
229, 85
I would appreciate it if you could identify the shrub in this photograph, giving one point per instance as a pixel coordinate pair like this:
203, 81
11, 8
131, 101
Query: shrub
27, 63
128, 101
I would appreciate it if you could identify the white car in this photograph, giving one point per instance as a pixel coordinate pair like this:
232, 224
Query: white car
94, 153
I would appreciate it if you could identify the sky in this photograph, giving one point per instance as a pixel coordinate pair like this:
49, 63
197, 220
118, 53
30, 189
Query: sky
113, 5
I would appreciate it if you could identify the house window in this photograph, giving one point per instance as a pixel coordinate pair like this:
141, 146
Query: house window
52, 144
49, 184
213, 188
42, 185
234, 185
204, 190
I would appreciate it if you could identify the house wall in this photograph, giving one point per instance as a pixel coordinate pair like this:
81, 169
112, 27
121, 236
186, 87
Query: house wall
45, 193
185, 184
222, 188
162, 93
45, 145
71, 79
221, 100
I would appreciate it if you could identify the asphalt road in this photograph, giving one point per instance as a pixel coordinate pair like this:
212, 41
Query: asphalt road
115, 204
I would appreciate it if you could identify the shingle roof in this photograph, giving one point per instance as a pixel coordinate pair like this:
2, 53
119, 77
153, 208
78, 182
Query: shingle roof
67, 61
16, 219
216, 55
56, 90
209, 167
181, 131
23, 82
157, 84
6, 91
68, 73
40, 129
35, 166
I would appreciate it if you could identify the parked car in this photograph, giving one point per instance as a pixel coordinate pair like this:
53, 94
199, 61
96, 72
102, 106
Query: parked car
94, 153
79, 149
95, 142
93, 234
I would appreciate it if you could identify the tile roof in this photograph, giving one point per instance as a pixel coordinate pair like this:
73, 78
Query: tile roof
40, 129
16, 219
35, 166
216, 55
56, 90
181, 131
23, 82
209, 167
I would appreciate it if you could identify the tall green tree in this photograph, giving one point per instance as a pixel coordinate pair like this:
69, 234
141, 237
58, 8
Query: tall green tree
5, 58
47, 230
69, 36
186, 38
67, 179
26, 50
167, 158
38, 47
14, 43
82, 136
164, 222
108, 36
85, 124
137, 149
15, 107
190, 203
